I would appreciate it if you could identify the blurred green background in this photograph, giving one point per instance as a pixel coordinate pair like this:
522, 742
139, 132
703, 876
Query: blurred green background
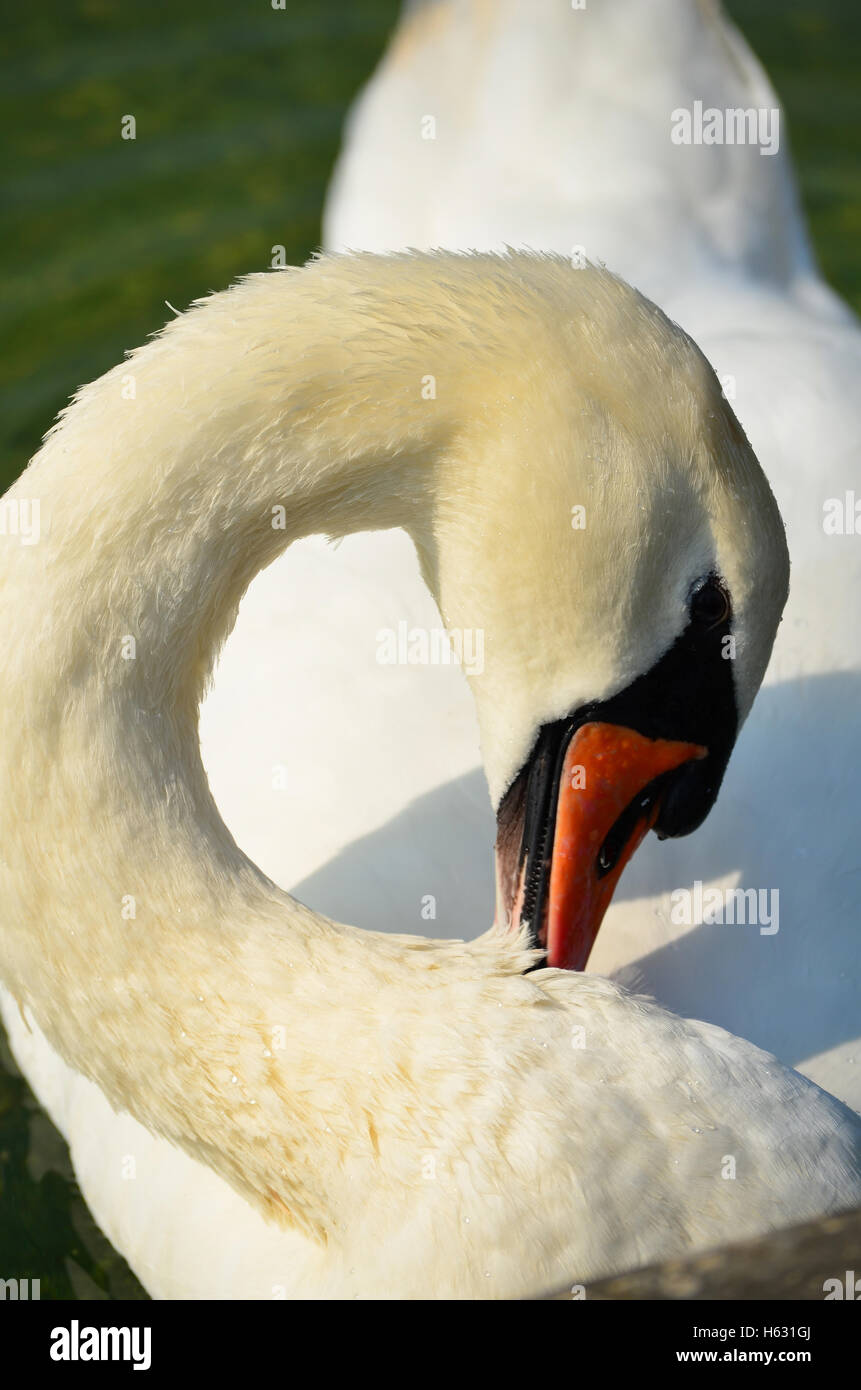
239, 110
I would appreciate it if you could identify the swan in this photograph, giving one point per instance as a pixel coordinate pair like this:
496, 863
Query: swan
263, 1102
552, 130
532, 122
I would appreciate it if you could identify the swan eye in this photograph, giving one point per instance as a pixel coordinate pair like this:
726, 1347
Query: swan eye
710, 604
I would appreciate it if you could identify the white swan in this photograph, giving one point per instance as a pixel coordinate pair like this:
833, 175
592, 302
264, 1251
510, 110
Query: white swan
532, 121
552, 127
258, 1100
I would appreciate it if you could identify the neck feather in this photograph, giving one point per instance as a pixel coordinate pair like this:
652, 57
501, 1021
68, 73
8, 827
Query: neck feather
154, 955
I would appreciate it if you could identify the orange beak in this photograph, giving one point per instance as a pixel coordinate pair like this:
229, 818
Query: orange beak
605, 808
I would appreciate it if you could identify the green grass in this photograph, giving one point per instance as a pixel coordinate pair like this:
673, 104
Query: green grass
46, 1231
811, 50
239, 110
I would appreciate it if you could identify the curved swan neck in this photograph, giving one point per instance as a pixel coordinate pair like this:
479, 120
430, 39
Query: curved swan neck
156, 958
249, 422
459, 396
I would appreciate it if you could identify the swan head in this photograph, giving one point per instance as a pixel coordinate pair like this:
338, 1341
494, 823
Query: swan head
601, 520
